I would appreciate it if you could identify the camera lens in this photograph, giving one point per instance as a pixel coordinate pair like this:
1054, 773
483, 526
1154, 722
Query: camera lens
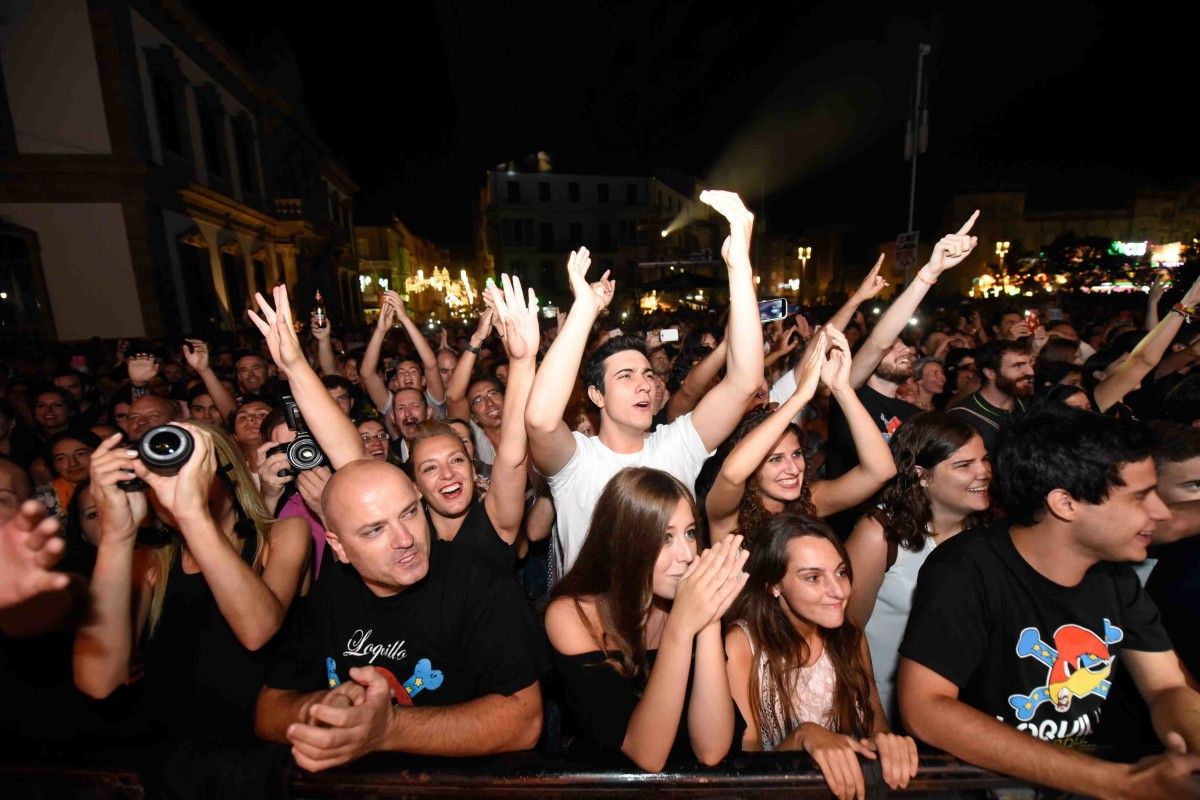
165, 449
304, 453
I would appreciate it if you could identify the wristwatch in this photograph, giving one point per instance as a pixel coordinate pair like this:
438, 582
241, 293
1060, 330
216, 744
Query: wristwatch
472, 348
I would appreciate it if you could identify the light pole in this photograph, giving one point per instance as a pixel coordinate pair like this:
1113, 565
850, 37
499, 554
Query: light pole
916, 137
804, 254
1002, 250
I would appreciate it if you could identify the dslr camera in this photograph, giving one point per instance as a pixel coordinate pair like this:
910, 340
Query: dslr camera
303, 452
164, 450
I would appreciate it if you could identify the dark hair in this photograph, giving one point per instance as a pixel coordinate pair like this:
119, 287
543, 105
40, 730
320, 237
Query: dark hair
240, 354
752, 515
999, 316
683, 364
199, 390
1052, 373
85, 437
1175, 442
616, 564
1053, 398
73, 532
1182, 403
924, 441
593, 370
1077, 451
270, 421
991, 354
1058, 349
776, 641
67, 397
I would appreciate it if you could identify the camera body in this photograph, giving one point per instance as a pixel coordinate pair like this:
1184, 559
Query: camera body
303, 452
164, 450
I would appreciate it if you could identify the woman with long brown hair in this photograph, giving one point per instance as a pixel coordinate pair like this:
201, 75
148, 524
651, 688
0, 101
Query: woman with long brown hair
627, 618
764, 473
941, 484
799, 670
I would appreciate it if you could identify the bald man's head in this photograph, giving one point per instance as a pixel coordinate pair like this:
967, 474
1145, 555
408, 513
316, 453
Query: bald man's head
148, 412
375, 523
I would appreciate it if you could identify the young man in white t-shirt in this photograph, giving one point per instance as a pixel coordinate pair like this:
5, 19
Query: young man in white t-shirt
618, 380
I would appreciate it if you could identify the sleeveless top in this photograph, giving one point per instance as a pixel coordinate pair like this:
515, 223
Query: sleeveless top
478, 533
889, 619
812, 697
200, 680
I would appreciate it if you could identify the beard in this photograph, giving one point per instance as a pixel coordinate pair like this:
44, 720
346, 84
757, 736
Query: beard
893, 373
1021, 387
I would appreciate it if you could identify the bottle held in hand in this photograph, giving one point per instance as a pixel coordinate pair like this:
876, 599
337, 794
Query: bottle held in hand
320, 318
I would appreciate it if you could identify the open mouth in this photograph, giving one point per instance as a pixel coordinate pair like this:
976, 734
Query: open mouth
451, 492
788, 483
1144, 539
978, 489
642, 404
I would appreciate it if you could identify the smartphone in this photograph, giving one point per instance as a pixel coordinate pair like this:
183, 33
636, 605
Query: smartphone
79, 363
668, 335
550, 312
772, 310
1031, 317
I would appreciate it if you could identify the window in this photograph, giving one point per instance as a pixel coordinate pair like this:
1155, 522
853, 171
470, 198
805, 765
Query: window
544, 191
604, 236
573, 192
243, 151
166, 108
514, 191
546, 235
631, 194
602, 192
628, 231
576, 234
212, 134
516, 231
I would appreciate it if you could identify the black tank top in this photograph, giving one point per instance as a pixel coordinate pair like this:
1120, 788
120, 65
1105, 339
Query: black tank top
478, 533
200, 680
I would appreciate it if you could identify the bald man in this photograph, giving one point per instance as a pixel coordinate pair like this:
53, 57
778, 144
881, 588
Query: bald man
419, 646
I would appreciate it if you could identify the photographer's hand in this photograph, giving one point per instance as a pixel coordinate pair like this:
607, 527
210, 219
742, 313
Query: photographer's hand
274, 474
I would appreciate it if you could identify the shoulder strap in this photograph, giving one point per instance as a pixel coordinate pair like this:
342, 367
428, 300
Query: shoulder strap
975, 413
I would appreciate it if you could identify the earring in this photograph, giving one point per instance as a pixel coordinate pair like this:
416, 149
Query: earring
775, 593
923, 484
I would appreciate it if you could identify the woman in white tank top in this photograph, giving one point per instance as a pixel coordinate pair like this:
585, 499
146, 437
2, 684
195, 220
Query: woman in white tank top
941, 482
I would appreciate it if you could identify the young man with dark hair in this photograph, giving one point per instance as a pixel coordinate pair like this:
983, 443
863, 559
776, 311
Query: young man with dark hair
1014, 629
342, 392
618, 381
1007, 371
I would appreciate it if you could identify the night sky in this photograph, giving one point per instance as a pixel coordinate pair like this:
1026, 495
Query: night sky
803, 105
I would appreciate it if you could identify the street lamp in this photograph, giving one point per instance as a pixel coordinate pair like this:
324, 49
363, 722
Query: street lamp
1002, 250
804, 254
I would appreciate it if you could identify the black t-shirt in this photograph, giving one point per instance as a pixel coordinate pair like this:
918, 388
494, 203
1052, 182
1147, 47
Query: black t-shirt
1033, 654
1175, 587
464, 631
478, 533
986, 418
888, 413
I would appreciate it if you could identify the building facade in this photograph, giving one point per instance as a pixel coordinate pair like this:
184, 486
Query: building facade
153, 180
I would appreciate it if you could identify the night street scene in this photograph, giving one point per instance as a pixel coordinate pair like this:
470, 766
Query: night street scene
600, 400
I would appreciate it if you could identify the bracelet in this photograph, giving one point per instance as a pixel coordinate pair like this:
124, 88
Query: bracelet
923, 279
472, 348
1187, 312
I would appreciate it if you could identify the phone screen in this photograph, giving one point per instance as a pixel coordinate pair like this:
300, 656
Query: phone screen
772, 309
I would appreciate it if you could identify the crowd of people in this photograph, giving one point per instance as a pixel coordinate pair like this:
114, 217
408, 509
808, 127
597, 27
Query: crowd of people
840, 533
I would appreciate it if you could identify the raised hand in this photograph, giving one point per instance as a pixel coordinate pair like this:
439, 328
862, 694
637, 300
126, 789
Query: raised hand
274, 472
709, 586
953, 248
872, 284
595, 297
121, 512
1159, 287
142, 368
320, 332
836, 372
185, 494
393, 298
275, 324
736, 248
196, 355
517, 316
803, 327
484, 329
813, 362
1192, 295
29, 548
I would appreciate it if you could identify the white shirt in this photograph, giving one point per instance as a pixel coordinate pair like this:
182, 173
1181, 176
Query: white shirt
676, 449
484, 451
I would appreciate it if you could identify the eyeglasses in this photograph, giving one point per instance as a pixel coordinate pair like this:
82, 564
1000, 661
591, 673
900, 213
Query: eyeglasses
374, 437
490, 394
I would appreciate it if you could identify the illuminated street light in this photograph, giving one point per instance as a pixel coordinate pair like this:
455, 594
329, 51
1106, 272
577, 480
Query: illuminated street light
663, 234
804, 254
1002, 250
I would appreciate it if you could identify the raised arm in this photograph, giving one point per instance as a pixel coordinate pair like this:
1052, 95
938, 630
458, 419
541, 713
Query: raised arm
875, 463
550, 440
870, 287
105, 640
719, 410
368, 371
195, 353
1153, 297
460, 380
517, 324
742, 462
433, 378
1173, 362
324, 336
330, 426
697, 382
1145, 356
948, 252
29, 549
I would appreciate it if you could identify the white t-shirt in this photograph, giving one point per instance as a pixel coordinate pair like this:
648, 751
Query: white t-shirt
484, 451
676, 449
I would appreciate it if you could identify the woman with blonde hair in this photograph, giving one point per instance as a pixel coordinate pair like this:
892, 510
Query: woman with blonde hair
211, 598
